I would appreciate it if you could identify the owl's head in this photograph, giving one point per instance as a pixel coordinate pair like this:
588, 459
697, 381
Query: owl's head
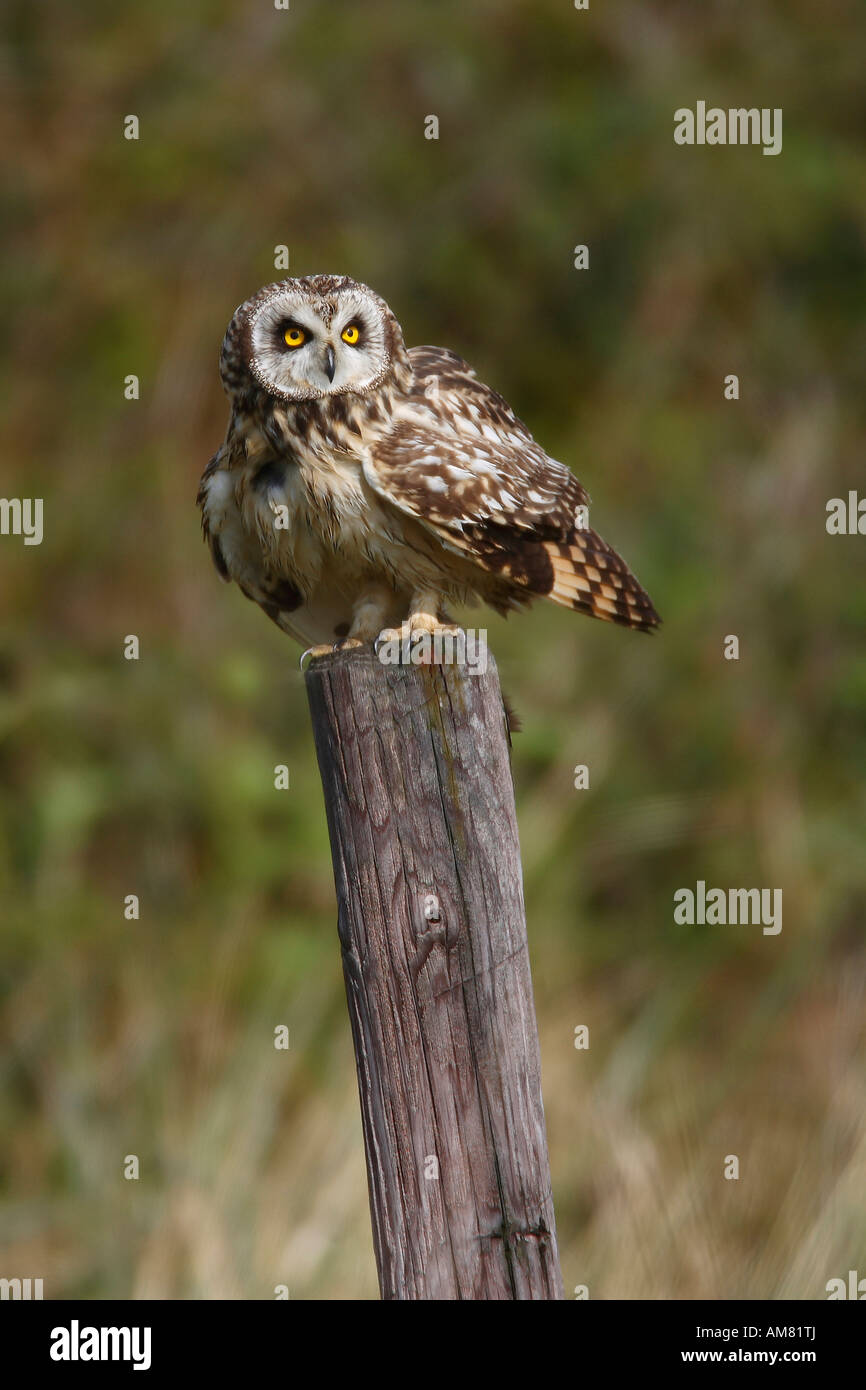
302, 339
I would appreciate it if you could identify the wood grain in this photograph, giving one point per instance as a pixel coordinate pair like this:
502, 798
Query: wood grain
417, 779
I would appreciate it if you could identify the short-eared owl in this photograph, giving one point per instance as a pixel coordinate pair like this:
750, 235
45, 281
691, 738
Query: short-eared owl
362, 486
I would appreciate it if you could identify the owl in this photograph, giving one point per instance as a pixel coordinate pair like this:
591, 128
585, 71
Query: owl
364, 489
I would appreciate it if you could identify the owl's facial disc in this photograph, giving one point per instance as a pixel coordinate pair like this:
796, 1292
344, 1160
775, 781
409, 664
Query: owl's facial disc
304, 347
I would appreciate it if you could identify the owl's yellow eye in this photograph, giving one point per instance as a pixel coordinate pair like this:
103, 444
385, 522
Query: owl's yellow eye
350, 334
295, 337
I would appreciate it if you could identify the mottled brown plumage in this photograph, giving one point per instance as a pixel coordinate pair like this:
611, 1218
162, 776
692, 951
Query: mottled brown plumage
361, 484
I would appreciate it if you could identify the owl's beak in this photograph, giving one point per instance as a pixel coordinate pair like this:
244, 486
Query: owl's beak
330, 362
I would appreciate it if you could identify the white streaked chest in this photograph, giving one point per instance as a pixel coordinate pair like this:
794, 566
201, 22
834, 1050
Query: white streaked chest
309, 508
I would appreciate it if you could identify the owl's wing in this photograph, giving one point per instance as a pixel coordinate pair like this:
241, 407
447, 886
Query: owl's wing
458, 460
234, 550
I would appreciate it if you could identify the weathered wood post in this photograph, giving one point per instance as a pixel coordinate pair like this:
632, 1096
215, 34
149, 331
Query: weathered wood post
417, 779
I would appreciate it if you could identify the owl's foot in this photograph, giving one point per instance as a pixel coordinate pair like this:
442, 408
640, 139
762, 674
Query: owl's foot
312, 652
343, 644
421, 640
369, 613
423, 617
416, 625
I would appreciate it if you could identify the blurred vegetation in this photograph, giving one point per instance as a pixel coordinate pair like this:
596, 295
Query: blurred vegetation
155, 777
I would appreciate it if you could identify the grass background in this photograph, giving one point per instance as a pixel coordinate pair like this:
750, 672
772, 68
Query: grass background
155, 777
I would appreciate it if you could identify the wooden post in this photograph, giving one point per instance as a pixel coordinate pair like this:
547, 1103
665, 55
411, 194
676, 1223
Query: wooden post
417, 779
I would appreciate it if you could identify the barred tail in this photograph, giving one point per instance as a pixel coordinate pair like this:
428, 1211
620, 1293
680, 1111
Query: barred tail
590, 577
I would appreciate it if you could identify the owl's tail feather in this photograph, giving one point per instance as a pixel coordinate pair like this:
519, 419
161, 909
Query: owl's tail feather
590, 577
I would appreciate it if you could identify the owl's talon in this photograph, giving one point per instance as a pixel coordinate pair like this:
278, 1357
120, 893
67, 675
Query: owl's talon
313, 652
413, 628
424, 628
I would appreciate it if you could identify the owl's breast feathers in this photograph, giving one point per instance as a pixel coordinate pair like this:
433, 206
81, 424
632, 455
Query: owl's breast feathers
431, 481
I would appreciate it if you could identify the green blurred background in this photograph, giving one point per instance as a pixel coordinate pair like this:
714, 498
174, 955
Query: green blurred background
155, 777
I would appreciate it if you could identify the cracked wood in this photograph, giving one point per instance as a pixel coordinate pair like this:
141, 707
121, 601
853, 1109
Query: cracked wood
417, 779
